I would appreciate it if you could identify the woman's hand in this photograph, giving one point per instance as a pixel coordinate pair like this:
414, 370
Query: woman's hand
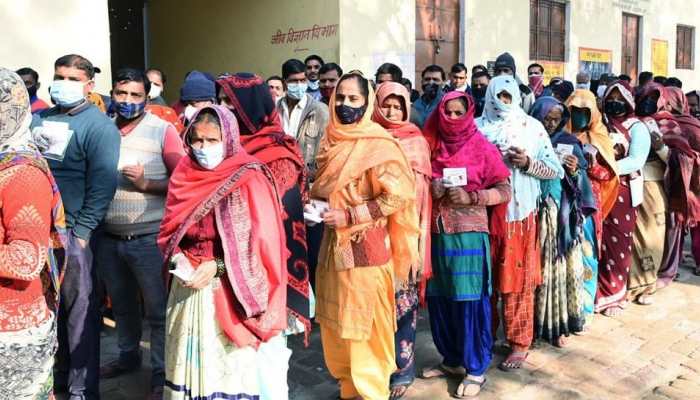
335, 218
459, 196
518, 158
657, 143
437, 188
571, 164
202, 275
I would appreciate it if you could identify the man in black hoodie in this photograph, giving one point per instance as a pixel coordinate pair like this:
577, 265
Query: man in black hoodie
505, 65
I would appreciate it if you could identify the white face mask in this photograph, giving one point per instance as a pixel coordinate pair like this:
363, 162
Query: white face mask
155, 91
209, 157
585, 86
189, 112
67, 93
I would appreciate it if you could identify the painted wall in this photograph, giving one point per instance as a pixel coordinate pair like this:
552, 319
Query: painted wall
36, 33
495, 26
237, 35
374, 32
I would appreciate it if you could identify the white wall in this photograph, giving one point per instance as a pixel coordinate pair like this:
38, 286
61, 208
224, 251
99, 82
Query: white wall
374, 32
36, 32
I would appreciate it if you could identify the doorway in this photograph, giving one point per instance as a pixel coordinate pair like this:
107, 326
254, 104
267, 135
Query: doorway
437, 34
630, 45
126, 34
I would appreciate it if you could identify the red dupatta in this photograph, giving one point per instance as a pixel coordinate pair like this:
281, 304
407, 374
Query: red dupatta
253, 279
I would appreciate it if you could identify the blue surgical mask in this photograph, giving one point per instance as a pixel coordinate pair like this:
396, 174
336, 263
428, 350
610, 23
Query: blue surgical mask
67, 93
296, 90
129, 110
313, 85
209, 157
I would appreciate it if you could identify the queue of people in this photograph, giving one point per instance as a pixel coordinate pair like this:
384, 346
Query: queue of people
252, 208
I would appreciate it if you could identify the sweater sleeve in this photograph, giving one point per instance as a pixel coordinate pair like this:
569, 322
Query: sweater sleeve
639, 150
26, 210
102, 152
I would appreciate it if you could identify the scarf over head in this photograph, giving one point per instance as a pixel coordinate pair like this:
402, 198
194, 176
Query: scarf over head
457, 143
506, 126
573, 194
16, 149
596, 134
193, 193
346, 152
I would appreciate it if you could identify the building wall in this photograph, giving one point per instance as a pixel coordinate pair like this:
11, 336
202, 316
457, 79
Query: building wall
37, 32
374, 32
495, 26
237, 35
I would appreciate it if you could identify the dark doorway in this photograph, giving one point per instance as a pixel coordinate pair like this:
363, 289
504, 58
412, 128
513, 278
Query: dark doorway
437, 34
126, 34
630, 45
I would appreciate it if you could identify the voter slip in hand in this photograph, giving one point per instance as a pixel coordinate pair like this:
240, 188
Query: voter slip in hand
564, 150
454, 177
184, 272
314, 210
54, 137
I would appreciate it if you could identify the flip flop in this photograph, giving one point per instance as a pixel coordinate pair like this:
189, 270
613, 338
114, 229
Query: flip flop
440, 371
517, 358
466, 382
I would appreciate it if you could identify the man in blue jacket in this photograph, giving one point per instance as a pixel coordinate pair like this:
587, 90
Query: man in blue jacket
86, 174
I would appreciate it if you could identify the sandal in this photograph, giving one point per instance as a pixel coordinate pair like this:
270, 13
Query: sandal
466, 383
442, 370
612, 312
514, 361
398, 391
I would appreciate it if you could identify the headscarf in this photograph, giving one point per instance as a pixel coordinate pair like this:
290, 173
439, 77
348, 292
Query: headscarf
398, 129
15, 113
16, 149
573, 194
345, 153
563, 90
506, 126
617, 122
193, 193
457, 143
597, 136
676, 101
265, 140
262, 132
663, 116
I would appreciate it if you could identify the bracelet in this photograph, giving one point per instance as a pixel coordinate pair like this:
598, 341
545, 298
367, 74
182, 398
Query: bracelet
220, 268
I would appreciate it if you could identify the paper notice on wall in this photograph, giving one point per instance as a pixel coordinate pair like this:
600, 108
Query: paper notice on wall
595, 62
659, 57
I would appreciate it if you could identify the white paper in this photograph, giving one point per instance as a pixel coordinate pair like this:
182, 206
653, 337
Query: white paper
564, 150
637, 189
57, 135
314, 210
184, 273
454, 177
125, 160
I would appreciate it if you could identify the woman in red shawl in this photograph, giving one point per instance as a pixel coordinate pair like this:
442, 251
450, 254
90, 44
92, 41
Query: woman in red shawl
459, 292
262, 136
223, 236
681, 179
391, 111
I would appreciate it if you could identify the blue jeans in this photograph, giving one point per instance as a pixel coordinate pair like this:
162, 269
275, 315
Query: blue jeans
130, 268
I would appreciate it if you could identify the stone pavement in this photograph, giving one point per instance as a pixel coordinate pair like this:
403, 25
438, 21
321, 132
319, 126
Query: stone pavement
650, 353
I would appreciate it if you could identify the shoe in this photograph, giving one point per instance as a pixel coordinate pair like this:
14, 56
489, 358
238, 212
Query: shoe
156, 393
115, 368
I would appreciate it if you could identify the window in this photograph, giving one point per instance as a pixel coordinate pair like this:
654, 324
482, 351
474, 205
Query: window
547, 30
685, 42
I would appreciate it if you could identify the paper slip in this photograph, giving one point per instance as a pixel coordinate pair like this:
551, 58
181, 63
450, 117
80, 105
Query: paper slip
454, 177
314, 210
185, 274
588, 148
564, 150
57, 136
126, 160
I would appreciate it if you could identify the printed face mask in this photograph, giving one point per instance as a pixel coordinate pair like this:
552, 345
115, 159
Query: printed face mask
130, 110
349, 115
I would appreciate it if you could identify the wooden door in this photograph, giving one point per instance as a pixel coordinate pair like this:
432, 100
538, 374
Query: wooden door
630, 45
437, 34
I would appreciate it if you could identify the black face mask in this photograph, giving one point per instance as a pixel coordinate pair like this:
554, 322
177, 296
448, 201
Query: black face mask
32, 90
615, 107
480, 92
647, 107
430, 90
580, 120
695, 114
349, 115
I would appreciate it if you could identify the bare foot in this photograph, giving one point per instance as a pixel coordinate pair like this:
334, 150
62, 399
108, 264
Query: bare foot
398, 391
441, 370
563, 341
645, 300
